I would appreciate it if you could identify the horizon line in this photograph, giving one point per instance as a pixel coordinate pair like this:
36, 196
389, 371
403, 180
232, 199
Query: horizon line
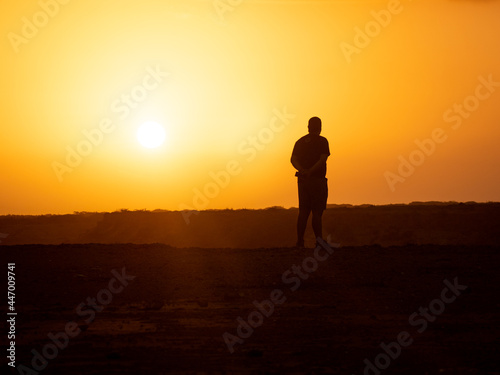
329, 205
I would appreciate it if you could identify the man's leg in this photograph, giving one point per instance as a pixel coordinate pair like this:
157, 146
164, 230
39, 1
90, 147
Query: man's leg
319, 206
317, 223
304, 211
301, 225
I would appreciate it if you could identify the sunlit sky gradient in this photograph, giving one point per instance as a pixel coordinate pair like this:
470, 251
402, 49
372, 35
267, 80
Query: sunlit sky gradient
228, 75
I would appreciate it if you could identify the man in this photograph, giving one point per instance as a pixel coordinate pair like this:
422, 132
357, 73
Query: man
309, 158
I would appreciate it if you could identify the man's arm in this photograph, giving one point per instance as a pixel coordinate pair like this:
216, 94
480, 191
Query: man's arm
317, 165
296, 164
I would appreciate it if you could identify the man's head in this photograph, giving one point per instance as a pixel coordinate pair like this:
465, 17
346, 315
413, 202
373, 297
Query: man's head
314, 125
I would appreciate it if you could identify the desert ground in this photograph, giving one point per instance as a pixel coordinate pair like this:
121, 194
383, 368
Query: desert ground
132, 308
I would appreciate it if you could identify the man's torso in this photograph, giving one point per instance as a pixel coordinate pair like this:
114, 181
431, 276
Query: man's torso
308, 151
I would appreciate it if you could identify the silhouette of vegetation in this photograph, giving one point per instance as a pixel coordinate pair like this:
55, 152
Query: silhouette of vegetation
451, 223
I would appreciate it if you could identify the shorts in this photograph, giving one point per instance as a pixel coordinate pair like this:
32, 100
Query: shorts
313, 193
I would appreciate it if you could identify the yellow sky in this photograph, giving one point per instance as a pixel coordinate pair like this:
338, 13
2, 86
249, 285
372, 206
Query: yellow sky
234, 86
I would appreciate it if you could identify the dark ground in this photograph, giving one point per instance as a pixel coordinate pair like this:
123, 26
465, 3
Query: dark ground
171, 318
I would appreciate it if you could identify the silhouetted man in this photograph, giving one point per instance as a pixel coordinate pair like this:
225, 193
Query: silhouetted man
309, 158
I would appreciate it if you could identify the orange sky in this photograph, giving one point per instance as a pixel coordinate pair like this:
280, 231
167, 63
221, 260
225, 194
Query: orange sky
234, 86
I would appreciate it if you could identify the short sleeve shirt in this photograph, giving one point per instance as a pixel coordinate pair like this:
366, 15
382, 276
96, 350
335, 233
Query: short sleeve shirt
308, 150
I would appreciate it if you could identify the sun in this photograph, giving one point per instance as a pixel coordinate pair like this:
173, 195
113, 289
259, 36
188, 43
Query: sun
151, 134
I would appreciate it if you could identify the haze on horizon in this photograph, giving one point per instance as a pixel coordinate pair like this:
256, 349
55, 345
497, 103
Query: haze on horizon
233, 87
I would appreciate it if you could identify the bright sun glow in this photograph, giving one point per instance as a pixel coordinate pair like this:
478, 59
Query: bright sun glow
154, 104
151, 134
